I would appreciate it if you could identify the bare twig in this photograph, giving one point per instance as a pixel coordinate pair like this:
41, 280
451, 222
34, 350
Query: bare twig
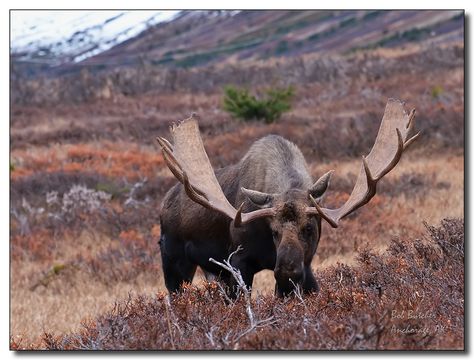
210, 335
368, 332
240, 283
242, 287
167, 306
224, 293
297, 292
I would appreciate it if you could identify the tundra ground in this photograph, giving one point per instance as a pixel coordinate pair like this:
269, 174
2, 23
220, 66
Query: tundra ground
87, 181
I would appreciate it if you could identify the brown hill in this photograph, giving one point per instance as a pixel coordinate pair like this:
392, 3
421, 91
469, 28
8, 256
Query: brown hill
197, 38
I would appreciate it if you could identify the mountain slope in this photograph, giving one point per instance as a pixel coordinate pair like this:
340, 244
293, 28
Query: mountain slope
58, 37
194, 38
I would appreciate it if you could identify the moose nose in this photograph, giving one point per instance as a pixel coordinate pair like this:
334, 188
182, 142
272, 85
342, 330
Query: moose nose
295, 273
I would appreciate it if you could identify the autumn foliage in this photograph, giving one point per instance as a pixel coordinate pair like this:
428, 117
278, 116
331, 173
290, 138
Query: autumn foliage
409, 297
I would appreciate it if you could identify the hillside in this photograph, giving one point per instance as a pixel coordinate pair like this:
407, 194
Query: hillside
195, 38
35, 37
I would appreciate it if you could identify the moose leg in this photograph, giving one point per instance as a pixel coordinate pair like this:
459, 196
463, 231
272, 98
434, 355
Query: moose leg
177, 271
310, 283
246, 271
279, 292
210, 276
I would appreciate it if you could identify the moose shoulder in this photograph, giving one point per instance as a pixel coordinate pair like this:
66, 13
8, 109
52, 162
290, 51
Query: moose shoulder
267, 203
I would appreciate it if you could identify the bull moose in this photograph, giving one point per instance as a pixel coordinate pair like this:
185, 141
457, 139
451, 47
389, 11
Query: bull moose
267, 204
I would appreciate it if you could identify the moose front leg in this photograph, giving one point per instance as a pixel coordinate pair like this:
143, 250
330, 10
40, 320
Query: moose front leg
247, 272
310, 284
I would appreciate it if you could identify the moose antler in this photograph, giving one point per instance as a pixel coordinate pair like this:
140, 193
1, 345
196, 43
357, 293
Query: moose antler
189, 163
385, 154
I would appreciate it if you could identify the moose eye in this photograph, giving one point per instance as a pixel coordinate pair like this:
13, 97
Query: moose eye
307, 230
275, 234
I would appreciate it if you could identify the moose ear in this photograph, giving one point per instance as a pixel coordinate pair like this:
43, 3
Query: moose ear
319, 187
261, 199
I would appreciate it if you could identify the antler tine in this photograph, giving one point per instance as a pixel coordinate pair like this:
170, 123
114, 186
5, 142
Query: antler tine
165, 142
411, 117
238, 216
409, 127
322, 213
166, 147
410, 140
193, 192
254, 215
370, 179
173, 165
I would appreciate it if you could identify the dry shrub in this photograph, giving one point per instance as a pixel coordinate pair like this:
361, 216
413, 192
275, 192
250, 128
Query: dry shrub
82, 129
108, 159
35, 186
131, 81
449, 238
35, 246
411, 185
116, 219
410, 297
131, 254
58, 208
73, 134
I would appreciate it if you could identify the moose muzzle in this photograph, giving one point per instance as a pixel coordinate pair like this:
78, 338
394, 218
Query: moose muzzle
289, 267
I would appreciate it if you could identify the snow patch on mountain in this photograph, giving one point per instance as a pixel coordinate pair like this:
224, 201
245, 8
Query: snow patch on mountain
57, 36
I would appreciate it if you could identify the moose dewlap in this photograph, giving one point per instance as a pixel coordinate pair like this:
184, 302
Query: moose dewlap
267, 204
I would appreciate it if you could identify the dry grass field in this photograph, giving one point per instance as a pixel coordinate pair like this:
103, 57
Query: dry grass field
87, 180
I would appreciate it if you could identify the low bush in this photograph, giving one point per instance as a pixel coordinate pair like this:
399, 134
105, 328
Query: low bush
243, 105
411, 297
